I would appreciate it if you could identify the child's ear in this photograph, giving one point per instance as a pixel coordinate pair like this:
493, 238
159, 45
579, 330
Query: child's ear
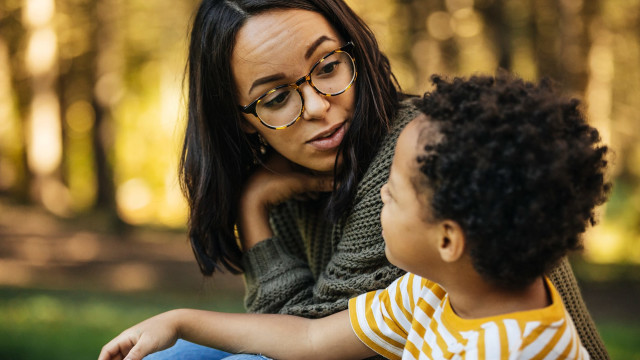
452, 241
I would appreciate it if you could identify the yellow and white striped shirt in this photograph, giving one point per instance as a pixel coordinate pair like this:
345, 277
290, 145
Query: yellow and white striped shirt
413, 319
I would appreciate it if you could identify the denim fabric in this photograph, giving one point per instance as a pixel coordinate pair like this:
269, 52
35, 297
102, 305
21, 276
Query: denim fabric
184, 350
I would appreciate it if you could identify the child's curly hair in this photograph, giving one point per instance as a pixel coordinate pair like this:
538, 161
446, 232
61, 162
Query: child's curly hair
518, 168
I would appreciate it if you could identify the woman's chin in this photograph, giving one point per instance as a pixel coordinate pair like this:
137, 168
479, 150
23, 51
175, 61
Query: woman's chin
327, 168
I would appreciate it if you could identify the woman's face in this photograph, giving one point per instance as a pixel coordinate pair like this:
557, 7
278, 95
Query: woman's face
278, 47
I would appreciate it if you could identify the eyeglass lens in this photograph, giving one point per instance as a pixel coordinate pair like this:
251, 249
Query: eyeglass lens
331, 76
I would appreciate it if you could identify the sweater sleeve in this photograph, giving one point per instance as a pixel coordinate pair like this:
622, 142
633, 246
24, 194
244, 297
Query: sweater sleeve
566, 284
276, 271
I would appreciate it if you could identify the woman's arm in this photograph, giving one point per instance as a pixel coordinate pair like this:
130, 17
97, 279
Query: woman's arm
277, 336
275, 262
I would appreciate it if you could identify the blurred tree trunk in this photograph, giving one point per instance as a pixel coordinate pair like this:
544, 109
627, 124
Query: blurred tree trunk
599, 66
494, 13
546, 41
107, 65
17, 97
574, 20
412, 20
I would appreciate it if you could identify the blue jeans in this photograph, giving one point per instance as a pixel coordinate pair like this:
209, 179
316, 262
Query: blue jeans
184, 350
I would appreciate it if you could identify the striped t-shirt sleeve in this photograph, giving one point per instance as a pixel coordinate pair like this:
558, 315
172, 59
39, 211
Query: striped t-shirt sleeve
382, 319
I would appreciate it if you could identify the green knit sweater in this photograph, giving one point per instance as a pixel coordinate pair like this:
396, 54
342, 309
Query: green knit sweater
311, 267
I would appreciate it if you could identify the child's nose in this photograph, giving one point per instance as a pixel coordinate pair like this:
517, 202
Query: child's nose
382, 192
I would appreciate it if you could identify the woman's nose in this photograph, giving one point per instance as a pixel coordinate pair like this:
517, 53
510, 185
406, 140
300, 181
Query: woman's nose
315, 105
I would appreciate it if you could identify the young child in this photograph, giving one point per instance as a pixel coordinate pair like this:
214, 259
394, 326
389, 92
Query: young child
489, 187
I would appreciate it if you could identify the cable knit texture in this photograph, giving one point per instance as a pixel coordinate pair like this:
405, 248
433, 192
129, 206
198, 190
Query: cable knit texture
312, 268
566, 284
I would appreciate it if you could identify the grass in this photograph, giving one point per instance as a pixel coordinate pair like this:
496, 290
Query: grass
621, 339
47, 324
74, 325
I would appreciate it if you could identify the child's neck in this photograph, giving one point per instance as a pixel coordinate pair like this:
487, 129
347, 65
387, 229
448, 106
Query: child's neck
476, 298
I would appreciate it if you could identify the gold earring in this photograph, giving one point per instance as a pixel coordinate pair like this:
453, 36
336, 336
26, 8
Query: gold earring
263, 144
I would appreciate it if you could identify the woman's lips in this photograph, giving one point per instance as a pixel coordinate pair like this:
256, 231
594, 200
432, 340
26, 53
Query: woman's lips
329, 142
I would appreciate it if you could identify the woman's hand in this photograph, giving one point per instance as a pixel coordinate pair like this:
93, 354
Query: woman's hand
275, 182
154, 334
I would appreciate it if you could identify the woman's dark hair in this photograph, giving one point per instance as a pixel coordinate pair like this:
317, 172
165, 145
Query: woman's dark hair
217, 156
518, 167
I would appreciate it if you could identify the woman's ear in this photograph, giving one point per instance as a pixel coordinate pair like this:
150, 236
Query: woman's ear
247, 127
452, 241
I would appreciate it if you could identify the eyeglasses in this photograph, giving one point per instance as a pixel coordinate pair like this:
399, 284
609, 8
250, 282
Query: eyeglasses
283, 105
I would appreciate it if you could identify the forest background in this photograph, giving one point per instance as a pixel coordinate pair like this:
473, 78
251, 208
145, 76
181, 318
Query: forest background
92, 221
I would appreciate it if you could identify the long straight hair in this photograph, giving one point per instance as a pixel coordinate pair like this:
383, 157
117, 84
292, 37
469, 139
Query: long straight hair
217, 156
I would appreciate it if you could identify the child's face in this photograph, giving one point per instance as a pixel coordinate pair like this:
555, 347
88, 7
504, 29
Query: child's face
408, 232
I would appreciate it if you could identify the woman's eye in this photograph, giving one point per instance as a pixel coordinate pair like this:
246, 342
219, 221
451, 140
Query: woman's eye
277, 100
329, 68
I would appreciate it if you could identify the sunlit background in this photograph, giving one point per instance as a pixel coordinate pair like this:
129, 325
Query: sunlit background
92, 108
91, 101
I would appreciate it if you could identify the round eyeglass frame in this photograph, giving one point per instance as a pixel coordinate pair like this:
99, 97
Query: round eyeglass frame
251, 108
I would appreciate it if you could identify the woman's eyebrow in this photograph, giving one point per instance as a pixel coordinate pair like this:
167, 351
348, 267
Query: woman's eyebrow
266, 79
312, 48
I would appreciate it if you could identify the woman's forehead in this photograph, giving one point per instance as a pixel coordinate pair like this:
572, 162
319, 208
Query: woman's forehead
280, 42
280, 29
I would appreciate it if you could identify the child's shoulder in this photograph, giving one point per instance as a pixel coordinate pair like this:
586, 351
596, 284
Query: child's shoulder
415, 286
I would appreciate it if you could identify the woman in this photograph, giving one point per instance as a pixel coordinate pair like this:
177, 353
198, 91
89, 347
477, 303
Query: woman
293, 113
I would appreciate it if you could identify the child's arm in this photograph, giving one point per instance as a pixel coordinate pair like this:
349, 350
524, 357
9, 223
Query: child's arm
278, 336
